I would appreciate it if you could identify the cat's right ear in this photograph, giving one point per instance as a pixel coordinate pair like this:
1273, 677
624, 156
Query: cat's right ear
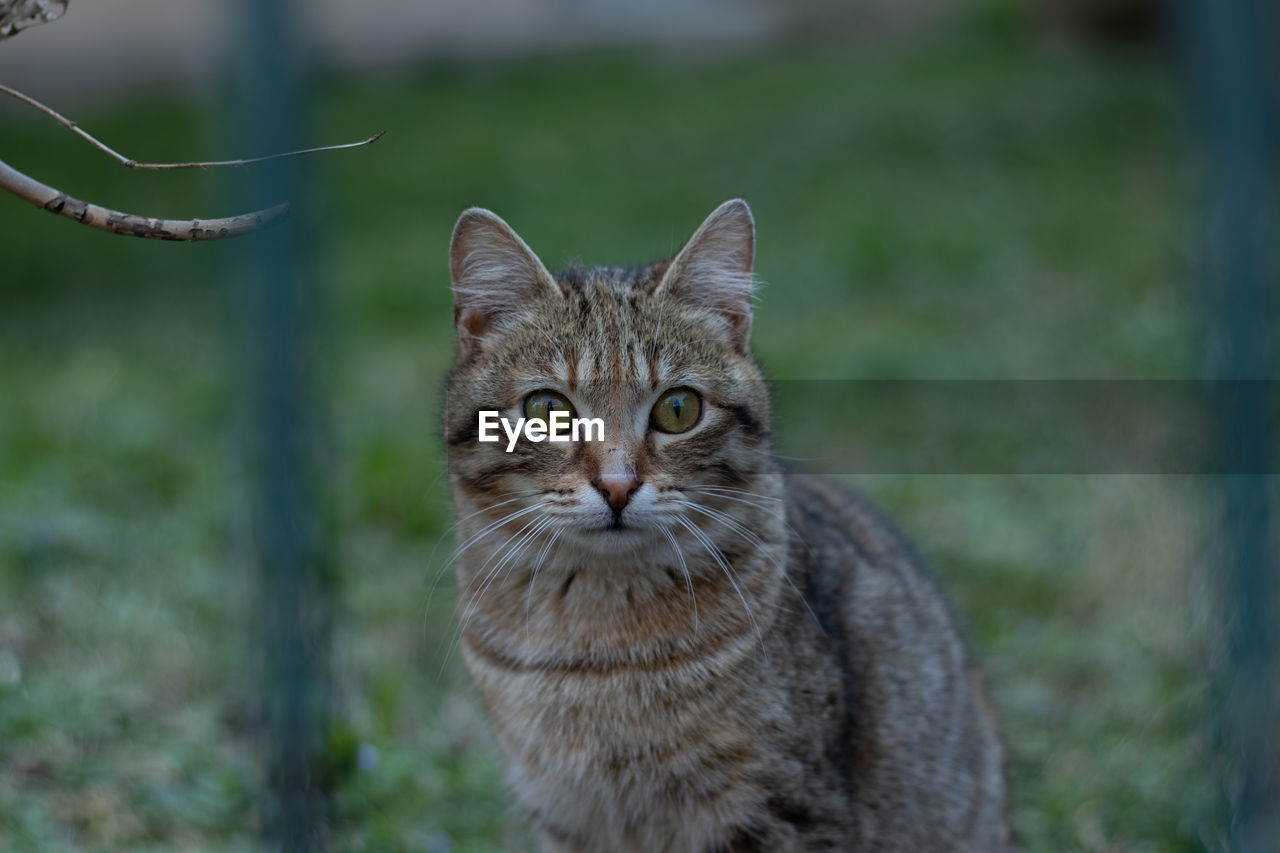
494, 274
713, 270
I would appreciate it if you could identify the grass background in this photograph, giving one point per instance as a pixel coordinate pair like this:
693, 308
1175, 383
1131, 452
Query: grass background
972, 208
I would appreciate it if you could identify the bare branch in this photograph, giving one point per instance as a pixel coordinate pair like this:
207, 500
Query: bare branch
55, 201
134, 164
94, 216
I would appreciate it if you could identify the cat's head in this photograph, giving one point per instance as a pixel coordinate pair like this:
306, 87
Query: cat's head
659, 354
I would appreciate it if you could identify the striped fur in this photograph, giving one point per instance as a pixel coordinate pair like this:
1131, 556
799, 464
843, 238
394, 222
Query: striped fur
753, 661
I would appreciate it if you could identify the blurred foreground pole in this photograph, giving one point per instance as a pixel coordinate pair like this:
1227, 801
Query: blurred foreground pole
1233, 45
281, 297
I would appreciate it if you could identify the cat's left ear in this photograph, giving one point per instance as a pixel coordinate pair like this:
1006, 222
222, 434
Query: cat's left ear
713, 270
495, 276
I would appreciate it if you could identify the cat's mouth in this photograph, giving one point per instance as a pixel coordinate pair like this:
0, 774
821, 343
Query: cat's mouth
618, 532
616, 526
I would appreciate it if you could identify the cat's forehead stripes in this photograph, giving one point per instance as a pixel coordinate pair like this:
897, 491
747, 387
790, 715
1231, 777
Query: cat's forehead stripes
606, 315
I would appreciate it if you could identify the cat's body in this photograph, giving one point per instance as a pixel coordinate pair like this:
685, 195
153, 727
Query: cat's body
679, 647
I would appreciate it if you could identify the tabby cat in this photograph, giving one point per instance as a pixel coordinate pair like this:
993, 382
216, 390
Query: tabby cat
680, 648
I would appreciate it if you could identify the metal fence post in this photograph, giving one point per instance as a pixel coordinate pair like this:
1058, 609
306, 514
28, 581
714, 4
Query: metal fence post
1232, 46
281, 294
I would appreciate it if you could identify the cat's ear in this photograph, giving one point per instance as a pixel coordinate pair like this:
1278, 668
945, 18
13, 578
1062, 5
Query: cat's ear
713, 270
495, 274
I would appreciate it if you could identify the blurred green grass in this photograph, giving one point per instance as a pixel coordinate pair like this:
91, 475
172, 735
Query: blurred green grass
961, 211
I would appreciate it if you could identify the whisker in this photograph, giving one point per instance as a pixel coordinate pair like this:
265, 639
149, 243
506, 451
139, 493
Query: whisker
542, 556
719, 492
524, 493
688, 578
484, 531
458, 552
752, 539
728, 573
476, 538
509, 550
710, 490
504, 553
733, 490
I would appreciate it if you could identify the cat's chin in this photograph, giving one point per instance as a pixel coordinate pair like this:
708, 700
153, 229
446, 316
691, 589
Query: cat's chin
629, 541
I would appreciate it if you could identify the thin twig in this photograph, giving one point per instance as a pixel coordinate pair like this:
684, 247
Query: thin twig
372, 139
62, 120
95, 216
134, 164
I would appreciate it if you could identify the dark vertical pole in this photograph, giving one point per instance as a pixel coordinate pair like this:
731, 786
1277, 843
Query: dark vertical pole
1233, 44
281, 294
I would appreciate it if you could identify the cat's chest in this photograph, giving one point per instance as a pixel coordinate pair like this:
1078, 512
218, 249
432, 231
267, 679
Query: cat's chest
613, 707
618, 762
621, 711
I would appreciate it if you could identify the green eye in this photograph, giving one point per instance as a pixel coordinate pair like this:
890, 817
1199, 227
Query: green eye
539, 405
677, 410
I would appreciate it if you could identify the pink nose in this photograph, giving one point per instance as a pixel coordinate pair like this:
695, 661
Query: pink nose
616, 491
